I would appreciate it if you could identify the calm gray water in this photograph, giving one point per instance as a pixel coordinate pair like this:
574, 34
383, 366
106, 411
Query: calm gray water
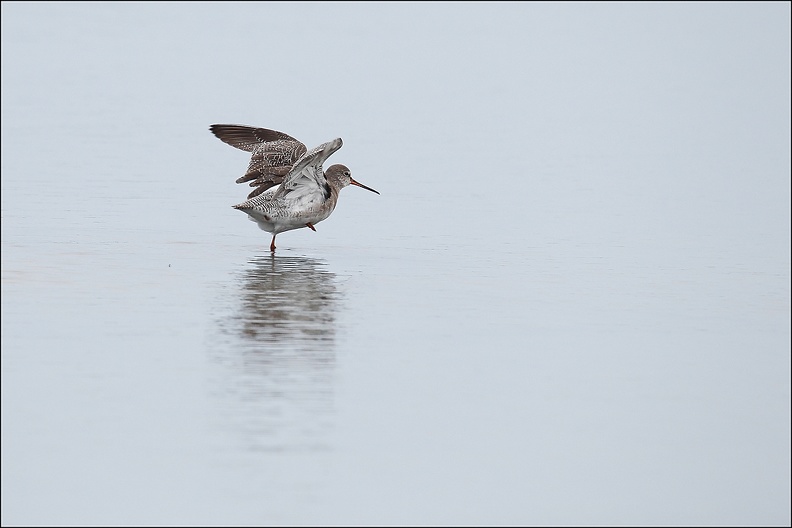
569, 305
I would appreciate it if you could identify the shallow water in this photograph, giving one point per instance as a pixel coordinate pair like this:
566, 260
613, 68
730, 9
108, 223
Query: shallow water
569, 305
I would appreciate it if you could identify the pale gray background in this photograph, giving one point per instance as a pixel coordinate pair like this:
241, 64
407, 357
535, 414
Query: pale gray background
570, 304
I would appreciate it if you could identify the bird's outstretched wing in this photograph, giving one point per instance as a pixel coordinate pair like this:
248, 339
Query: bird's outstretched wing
306, 181
273, 153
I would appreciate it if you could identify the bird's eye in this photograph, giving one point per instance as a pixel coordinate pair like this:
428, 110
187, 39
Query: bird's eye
347, 174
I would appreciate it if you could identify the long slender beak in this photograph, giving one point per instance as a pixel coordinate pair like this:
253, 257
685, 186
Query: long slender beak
353, 182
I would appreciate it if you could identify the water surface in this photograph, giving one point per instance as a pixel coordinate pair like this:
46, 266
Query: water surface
569, 305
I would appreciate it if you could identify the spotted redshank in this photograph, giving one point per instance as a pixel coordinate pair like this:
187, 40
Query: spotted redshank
291, 188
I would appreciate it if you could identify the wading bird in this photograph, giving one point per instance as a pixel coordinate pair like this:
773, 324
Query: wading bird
292, 189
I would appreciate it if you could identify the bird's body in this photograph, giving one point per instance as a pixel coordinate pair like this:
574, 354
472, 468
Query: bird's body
292, 189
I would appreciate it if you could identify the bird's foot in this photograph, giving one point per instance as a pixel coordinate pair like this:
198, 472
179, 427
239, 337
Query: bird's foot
309, 224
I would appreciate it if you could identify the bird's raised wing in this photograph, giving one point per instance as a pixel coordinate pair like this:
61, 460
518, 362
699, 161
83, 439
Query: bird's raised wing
306, 181
273, 153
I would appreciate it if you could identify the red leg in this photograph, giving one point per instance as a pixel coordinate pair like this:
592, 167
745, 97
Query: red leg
309, 224
272, 244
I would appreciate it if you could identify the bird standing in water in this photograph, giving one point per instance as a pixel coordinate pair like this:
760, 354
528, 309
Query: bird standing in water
292, 190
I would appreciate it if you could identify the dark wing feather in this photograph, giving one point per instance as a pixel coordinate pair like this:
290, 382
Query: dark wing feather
247, 137
273, 153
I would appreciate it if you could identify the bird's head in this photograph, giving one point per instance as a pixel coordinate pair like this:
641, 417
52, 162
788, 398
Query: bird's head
341, 176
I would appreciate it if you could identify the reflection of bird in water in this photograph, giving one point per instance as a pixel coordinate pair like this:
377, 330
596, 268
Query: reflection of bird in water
292, 189
289, 300
280, 353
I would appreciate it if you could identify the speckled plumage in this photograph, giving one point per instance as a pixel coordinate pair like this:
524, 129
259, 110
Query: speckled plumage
292, 189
